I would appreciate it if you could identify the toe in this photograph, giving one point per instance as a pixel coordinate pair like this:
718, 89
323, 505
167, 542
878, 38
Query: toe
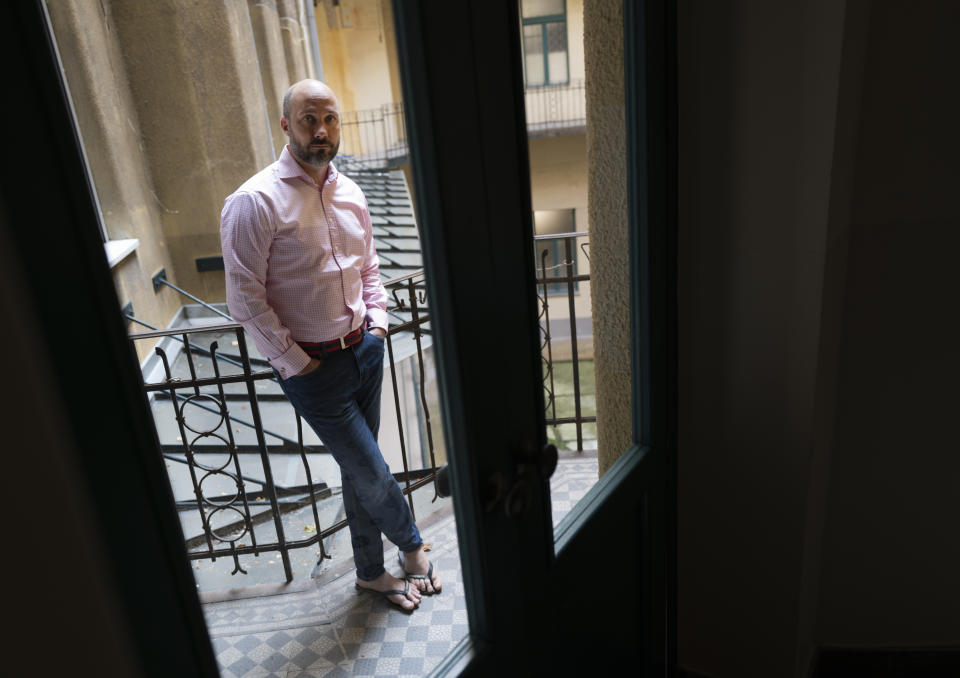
404, 602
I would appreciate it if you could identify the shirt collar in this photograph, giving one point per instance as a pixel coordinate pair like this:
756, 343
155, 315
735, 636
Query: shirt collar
290, 168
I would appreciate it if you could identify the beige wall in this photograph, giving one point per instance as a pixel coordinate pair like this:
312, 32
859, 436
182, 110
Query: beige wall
575, 39
265, 20
558, 180
93, 64
177, 104
355, 59
609, 251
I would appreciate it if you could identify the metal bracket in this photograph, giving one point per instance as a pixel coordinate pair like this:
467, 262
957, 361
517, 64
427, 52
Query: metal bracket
157, 277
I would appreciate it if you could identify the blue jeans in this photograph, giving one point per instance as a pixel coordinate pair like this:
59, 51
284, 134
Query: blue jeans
341, 402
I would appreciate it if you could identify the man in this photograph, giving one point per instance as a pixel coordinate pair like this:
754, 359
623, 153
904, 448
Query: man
303, 279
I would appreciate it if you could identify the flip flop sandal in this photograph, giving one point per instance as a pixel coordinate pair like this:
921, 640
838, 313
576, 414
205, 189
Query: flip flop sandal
393, 592
428, 576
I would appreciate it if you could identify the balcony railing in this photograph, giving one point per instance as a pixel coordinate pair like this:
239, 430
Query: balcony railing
377, 138
556, 109
218, 400
558, 286
215, 404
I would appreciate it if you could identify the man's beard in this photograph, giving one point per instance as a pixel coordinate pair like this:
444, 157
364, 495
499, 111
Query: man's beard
318, 158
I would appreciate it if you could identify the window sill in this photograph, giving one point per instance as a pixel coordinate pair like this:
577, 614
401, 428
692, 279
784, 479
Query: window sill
118, 250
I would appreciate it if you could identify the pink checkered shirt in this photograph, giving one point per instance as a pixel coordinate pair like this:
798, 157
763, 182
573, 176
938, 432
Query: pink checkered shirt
299, 260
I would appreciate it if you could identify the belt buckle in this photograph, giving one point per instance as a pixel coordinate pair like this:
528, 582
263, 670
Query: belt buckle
343, 344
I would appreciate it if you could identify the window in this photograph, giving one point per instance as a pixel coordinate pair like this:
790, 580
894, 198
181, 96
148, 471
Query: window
544, 42
554, 235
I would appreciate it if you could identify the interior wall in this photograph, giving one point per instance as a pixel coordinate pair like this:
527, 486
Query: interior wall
758, 87
818, 222
81, 596
890, 553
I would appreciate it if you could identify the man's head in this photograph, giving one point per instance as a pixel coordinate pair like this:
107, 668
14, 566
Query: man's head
311, 121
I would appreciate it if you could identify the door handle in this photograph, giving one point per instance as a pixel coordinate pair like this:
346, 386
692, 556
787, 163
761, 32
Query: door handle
543, 461
517, 499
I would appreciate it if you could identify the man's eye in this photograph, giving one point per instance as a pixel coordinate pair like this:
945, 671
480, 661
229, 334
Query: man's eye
309, 119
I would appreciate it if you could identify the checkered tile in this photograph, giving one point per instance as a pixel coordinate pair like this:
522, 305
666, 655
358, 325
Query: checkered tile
334, 630
575, 474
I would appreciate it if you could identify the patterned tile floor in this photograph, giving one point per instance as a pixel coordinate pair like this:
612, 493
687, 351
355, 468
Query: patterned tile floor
330, 629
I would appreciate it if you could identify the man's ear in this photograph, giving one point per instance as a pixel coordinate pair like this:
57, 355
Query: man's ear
284, 125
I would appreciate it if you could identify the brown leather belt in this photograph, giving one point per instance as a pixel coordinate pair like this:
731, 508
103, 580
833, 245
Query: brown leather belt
323, 348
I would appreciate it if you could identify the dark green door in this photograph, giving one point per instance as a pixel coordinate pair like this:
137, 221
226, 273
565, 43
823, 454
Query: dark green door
600, 590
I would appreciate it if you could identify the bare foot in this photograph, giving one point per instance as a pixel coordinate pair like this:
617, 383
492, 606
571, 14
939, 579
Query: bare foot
417, 562
387, 582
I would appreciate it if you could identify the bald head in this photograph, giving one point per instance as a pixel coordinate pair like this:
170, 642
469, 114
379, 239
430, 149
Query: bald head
311, 121
304, 89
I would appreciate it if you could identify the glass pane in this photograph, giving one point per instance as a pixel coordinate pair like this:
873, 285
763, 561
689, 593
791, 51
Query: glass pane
557, 52
562, 176
535, 8
533, 55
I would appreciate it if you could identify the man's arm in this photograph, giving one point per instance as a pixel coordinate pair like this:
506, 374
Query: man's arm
374, 294
245, 236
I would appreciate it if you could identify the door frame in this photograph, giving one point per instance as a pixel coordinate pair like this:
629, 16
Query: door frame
50, 213
115, 438
452, 102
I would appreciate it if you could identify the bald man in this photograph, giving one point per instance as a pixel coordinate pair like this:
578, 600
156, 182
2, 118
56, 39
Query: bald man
304, 281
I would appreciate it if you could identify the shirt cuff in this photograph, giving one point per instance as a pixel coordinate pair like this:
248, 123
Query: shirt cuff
378, 318
291, 362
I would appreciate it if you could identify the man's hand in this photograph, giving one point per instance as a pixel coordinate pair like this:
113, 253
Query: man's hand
378, 332
311, 366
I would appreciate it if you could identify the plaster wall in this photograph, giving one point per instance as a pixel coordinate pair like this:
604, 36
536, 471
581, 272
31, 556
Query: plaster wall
575, 53
558, 180
294, 39
355, 59
195, 81
607, 217
109, 126
266, 23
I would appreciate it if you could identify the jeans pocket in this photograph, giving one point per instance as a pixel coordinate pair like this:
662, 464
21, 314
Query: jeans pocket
308, 375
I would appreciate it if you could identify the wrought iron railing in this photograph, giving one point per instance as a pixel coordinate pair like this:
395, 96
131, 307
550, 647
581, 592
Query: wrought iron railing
559, 278
228, 518
372, 139
224, 388
555, 109
377, 138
